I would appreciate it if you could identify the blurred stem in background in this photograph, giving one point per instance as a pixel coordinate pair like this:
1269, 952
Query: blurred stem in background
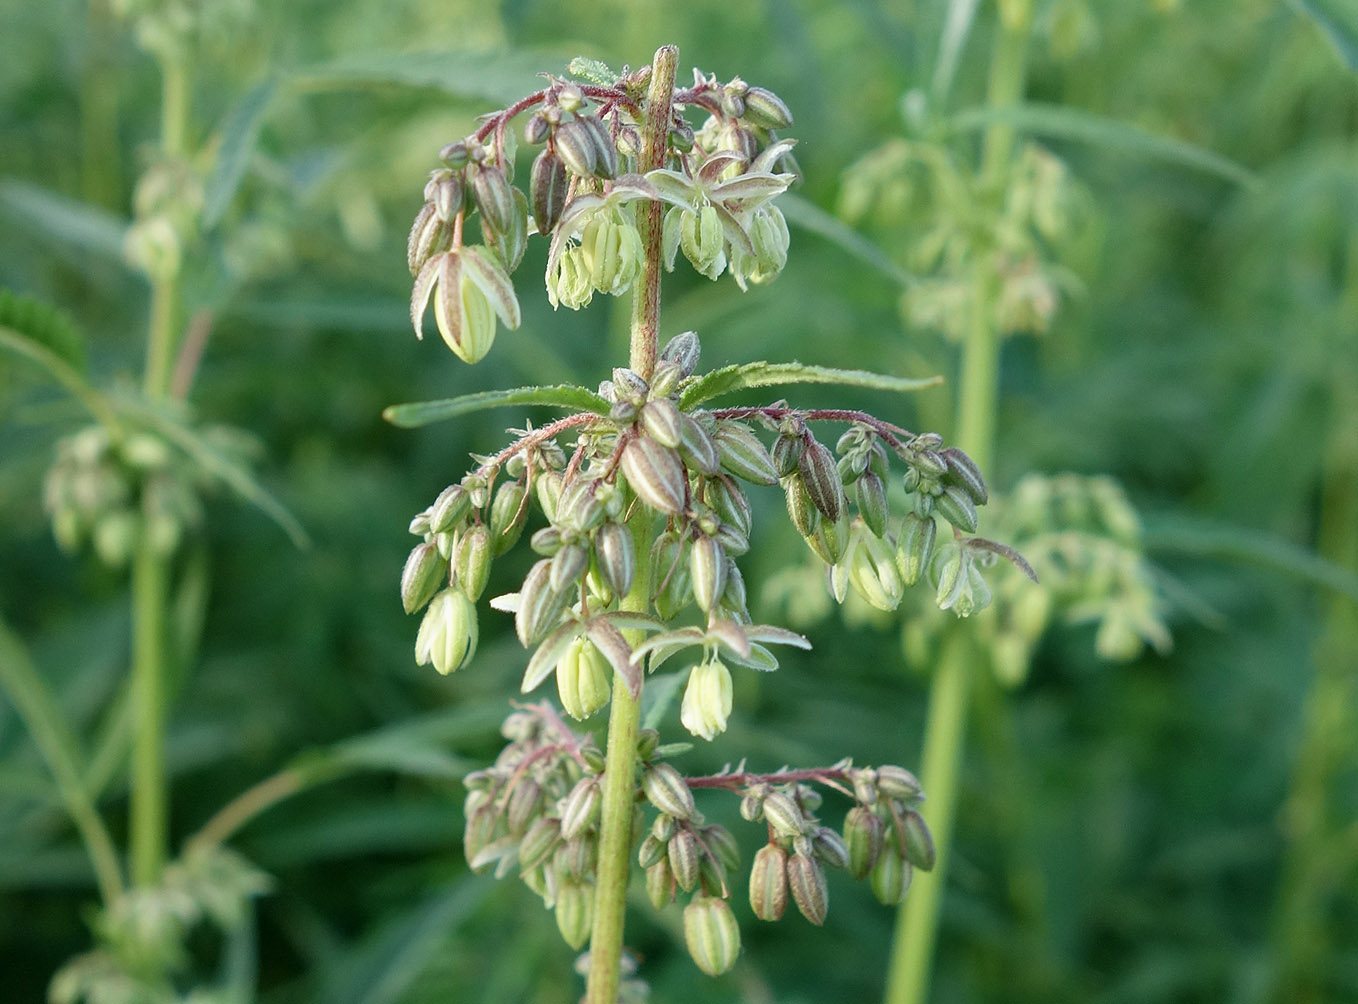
1321, 853
624, 718
149, 814
101, 156
945, 727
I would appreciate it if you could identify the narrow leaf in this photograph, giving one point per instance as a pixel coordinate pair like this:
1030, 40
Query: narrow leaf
1063, 122
501, 77
548, 654
729, 379
421, 413
81, 227
759, 658
803, 213
1338, 22
239, 133
772, 635
613, 645
489, 277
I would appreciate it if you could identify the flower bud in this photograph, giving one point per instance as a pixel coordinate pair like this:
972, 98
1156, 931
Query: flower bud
831, 540
817, 468
744, 455
535, 130
684, 857
568, 564
539, 842
605, 152
652, 850
711, 934
963, 472
829, 848
768, 883
660, 884
898, 783
665, 789
707, 700
617, 557
509, 245
507, 516
548, 184
575, 912
648, 741
870, 494
539, 605
581, 810
720, 842
806, 880
524, 799
583, 678
698, 447
765, 109
579, 507
655, 473
667, 556
863, 836
890, 879
548, 487
429, 235
769, 235
478, 833
915, 548
956, 506
424, 571
662, 421
454, 155
783, 814
799, 508
471, 560
703, 240
574, 143
872, 570
447, 635
683, 350
707, 572
787, 451
919, 842
449, 509
952, 576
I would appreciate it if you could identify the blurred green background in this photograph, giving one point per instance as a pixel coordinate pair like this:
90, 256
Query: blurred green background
1170, 827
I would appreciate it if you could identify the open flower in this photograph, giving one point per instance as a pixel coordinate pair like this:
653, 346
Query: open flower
472, 290
707, 699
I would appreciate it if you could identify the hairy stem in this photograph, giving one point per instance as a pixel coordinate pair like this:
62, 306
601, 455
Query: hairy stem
619, 780
917, 924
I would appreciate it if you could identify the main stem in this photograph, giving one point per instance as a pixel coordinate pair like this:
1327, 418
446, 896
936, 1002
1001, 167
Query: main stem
945, 727
148, 812
619, 779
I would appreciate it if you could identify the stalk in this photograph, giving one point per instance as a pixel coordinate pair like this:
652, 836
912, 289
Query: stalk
945, 727
149, 814
619, 780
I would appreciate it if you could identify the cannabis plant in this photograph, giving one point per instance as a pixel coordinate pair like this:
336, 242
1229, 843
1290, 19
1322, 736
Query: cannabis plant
642, 484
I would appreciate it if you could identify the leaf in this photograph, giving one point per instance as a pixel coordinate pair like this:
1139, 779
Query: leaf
759, 658
662, 646
592, 70
501, 77
773, 635
961, 13
1338, 22
729, 379
44, 324
810, 217
213, 461
548, 654
629, 620
1063, 122
421, 413
239, 133
54, 217
613, 645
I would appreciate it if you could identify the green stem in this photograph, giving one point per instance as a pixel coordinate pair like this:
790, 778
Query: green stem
618, 798
163, 333
149, 818
916, 934
57, 744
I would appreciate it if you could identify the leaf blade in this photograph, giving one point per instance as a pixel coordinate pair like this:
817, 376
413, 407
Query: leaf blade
745, 376
421, 413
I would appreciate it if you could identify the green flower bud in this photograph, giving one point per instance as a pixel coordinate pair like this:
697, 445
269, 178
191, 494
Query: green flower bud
919, 842
524, 799
915, 548
651, 851
683, 350
472, 561
509, 245
799, 508
890, 879
548, 184
769, 235
493, 198
707, 572
660, 884
581, 809
449, 509
744, 455
684, 857
765, 109
571, 283
806, 880
478, 833
898, 783
698, 447
538, 842
703, 240
829, 848
579, 507
447, 635
507, 516
831, 540
963, 472
784, 815
539, 605
583, 678
956, 506
655, 473
605, 152
666, 790
575, 912
768, 883
617, 557
719, 841
671, 573
568, 564
817, 467
424, 571
872, 569
787, 451
662, 421
707, 700
429, 235
548, 486
711, 934
575, 145
863, 837
952, 575
870, 494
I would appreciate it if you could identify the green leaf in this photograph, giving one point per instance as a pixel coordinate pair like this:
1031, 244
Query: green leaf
65, 221
40, 323
1338, 21
421, 413
231, 472
1061, 122
501, 77
239, 133
729, 379
961, 13
803, 213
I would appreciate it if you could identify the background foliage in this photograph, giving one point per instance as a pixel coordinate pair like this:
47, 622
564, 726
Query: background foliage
1124, 829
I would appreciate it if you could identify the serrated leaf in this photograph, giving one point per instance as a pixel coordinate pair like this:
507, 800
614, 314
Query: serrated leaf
1063, 122
1338, 22
805, 214
421, 413
239, 133
729, 379
592, 70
